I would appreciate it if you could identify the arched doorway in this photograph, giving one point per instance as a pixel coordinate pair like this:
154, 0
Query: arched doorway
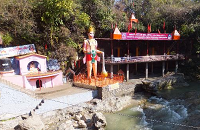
39, 83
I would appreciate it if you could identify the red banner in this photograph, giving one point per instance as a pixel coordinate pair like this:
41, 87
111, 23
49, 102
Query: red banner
146, 36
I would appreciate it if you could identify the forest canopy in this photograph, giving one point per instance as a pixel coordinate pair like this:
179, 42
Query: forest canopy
58, 27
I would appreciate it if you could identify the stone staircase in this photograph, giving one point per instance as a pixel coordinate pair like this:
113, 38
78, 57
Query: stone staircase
39, 101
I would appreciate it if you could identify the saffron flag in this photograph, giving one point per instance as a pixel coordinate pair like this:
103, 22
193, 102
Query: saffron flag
133, 19
164, 25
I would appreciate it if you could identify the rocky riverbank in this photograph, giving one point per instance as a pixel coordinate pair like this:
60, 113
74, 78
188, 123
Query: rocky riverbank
87, 115
83, 116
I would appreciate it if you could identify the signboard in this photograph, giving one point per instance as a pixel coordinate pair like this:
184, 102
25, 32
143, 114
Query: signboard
17, 50
146, 36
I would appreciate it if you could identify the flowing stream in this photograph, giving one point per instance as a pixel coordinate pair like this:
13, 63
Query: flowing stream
174, 109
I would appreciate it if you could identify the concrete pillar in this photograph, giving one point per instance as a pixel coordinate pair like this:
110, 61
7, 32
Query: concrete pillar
163, 68
111, 71
137, 51
137, 54
147, 70
176, 69
111, 67
153, 51
118, 55
127, 72
118, 51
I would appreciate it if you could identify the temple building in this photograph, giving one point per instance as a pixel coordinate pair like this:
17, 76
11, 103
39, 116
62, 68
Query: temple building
22, 66
142, 53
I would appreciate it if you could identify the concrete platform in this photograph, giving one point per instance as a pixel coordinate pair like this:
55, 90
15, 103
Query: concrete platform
15, 100
59, 91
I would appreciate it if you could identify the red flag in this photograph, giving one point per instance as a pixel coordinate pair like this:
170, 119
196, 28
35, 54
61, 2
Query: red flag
79, 64
129, 27
149, 28
133, 4
164, 25
158, 31
45, 46
135, 30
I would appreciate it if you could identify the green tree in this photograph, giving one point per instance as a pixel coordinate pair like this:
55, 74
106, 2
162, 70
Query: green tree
101, 14
16, 18
53, 13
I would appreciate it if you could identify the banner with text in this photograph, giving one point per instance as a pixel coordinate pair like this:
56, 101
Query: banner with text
17, 50
146, 36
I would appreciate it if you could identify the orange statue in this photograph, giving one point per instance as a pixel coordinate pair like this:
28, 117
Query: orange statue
90, 50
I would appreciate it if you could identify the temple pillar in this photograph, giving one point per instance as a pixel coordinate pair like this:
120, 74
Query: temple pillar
147, 70
127, 72
176, 68
111, 67
163, 69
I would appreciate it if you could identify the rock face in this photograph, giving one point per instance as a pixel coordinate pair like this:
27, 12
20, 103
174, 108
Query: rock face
99, 120
33, 122
171, 80
111, 104
68, 125
82, 124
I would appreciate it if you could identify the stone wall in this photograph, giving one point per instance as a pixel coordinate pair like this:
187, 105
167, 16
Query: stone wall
117, 90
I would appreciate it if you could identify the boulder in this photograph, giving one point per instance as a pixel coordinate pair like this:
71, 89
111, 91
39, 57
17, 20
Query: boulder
82, 124
99, 120
75, 124
86, 117
50, 117
170, 81
95, 101
77, 117
68, 125
32, 123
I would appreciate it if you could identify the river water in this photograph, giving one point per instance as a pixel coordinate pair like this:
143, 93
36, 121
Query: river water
174, 109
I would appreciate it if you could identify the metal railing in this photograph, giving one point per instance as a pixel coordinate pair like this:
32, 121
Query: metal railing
138, 59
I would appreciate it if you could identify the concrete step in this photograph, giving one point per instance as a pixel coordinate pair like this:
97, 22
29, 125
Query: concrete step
65, 101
